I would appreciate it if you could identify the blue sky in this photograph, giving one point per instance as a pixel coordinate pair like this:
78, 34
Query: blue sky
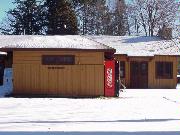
5, 5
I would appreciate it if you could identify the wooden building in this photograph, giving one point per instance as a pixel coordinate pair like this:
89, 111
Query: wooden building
3, 63
64, 66
145, 62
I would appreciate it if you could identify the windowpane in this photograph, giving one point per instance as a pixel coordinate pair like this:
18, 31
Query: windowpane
168, 69
159, 69
122, 69
58, 59
144, 68
164, 70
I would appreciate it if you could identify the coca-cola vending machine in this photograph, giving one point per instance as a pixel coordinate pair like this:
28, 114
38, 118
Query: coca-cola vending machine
110, 78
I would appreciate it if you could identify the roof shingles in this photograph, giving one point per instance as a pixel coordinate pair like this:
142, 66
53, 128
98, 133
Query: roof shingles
139, 45
38, 41
129, 45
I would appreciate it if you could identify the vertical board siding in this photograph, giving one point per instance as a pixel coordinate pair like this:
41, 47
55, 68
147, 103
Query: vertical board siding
44, 79
162, 83
153, 83
31, 77
125, 80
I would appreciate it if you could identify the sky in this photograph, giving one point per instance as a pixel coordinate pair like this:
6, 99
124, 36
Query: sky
5, 5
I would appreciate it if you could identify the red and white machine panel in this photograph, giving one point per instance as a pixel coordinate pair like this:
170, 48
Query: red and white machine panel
110, 78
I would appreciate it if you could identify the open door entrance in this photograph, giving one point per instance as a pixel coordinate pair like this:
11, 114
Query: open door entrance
139, 75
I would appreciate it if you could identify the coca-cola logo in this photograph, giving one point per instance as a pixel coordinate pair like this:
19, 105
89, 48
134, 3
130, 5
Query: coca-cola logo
109, 77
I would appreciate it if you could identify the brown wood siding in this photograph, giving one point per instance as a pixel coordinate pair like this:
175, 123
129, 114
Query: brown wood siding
162, 83
85, 78
126, 80
153, 83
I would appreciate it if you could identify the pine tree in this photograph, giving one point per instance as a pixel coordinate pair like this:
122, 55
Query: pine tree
100, 17
82, 8
93, 17
61, 18
119, 19
25, 18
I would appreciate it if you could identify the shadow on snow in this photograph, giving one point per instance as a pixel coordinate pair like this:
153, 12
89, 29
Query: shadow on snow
111, 121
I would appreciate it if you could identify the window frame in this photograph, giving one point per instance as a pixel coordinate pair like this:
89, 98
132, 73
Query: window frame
163, 66
58, 60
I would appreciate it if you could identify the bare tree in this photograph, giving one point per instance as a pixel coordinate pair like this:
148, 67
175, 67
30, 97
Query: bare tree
151, 15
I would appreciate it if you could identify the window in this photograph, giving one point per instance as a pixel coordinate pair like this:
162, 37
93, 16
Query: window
144, 68
58, 59
164, 70
122, 69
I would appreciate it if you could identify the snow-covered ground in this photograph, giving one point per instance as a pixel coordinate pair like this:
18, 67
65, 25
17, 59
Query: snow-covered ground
178, 86
139, 112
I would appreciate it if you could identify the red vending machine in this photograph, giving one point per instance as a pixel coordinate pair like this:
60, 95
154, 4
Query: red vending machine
110, 78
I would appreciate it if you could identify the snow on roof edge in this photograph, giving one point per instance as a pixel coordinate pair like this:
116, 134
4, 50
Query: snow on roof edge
100, 43
51, 41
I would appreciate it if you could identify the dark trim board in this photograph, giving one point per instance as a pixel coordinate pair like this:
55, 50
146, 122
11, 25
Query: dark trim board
56, 49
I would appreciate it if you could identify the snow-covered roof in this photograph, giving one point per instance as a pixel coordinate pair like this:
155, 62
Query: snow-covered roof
139, 45
55, 42
129, 45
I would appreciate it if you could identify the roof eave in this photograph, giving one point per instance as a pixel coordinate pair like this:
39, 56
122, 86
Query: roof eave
149, 55
56, 49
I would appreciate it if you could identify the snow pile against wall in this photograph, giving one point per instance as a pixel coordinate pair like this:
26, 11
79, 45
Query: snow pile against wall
7, 86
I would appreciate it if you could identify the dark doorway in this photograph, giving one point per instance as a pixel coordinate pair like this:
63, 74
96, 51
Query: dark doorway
139, 74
